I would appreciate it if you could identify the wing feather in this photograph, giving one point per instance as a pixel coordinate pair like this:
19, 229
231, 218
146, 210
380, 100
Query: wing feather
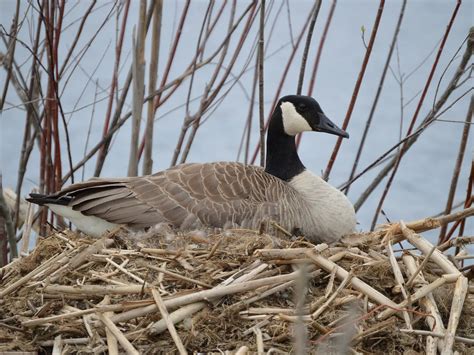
212, 194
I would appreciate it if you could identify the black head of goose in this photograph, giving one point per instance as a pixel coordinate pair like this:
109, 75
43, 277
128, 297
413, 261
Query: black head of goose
221, 194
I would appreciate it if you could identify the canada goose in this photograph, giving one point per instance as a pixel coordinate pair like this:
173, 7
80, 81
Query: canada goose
221, 194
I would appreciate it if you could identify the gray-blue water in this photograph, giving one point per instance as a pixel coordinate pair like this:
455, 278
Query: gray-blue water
421, 185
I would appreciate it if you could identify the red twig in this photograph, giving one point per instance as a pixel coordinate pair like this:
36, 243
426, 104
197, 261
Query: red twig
355, 93
304, 58
317, 59
113, 86
377, 95
172, 52
261, 97
282, 80
415, 115
457, 168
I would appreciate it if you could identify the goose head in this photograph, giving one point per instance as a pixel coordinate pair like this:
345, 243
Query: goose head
293, 114
303, 113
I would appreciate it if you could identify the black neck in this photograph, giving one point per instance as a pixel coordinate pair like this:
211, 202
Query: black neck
282, 157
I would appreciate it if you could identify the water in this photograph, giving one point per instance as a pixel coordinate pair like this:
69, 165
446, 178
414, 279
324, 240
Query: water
422, 183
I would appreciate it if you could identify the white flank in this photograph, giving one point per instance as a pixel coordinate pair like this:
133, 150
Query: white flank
332, 214
293, 122
91, 225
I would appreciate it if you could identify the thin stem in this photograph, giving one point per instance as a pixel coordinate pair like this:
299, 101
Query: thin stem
377, 95
415, 116
355, 93
309, 36
457, 168
261, 96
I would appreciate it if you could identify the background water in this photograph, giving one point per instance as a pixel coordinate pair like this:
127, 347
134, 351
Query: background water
421, 186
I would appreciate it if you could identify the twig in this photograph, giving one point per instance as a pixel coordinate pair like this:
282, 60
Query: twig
426, 247
415, 115
409, 140
152, 78
138, 64
460, 292
468, 341
118, 334
457, 168
261, 97
357, 283
10, 53
309, 36
377, 95
118, 52
169, 323
322, 308
435, 322
355, 93
420, 267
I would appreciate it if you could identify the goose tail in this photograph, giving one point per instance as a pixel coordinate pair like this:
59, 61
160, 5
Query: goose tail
40, 199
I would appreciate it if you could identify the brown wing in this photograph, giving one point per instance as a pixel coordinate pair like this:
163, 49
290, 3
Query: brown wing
188, 195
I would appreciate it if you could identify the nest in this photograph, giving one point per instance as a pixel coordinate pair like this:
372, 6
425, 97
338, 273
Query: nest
237, 291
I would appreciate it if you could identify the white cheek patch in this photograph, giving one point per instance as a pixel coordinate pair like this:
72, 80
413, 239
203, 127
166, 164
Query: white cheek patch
293, 122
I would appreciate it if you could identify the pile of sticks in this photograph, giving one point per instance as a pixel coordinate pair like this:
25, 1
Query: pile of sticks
240, 291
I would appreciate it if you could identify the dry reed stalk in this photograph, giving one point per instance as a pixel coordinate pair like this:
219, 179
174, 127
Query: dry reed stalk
294, 253
125, 271
428, 303
70, 341
83, 256
260, 324
166, 317
426, 247
25, 236
179, 276
177, 316
420, 267
465, 340
400, 280
9, 288
57, 345
460, 292
378, 327
259, 340
188, 310
357, 283
215, 292
128, 347
112, 344
96, 290
60, 317
322, 308
421, 292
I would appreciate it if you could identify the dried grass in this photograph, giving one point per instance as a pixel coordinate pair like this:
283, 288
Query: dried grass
232, 291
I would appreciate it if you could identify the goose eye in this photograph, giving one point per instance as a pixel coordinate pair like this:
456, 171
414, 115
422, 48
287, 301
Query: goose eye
302, 107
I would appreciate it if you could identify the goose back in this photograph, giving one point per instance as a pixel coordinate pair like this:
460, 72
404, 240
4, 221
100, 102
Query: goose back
190, 196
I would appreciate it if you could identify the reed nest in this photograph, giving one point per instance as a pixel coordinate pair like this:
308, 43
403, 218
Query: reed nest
239, 291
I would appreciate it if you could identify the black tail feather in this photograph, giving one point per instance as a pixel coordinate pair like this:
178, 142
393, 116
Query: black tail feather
41, 199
